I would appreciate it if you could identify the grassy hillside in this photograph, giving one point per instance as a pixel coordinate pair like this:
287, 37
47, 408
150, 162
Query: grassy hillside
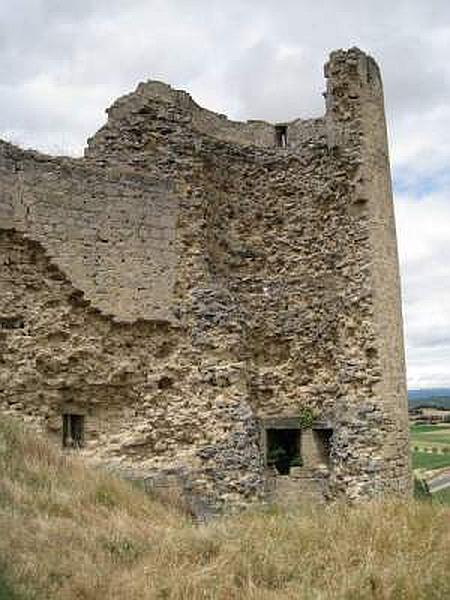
68, 532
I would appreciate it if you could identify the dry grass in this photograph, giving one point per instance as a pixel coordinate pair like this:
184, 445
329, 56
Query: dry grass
68, 532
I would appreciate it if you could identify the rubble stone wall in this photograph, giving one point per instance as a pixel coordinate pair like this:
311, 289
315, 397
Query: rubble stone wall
191, 279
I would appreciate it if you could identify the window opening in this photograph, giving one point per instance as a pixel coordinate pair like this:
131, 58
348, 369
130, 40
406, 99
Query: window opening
281, 135
73, 431
11, 323
165, 383
283, 449
323, 439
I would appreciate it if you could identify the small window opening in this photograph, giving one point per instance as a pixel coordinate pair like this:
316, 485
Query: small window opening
165, 383
323, 438
73, 431
11, 323
281, 135
283, 449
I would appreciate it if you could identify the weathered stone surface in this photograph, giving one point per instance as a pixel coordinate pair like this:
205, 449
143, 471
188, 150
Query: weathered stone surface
189, 279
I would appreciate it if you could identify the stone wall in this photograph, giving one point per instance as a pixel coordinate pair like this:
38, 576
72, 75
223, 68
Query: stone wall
192, 279
112, 233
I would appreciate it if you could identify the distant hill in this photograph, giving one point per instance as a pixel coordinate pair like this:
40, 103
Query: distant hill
433, 397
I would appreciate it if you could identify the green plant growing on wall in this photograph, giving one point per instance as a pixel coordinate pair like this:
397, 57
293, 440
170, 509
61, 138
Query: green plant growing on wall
306, 418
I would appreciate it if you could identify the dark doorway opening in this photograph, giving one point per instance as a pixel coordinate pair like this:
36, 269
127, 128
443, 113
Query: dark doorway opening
281, 135
73, 431
283, 449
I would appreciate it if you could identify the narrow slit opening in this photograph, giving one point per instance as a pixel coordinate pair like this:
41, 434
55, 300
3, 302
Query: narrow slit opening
281, 136
73, 431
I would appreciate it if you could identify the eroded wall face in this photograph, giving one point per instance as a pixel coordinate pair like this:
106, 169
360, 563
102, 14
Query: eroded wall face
287, 242
151, 409
190, 282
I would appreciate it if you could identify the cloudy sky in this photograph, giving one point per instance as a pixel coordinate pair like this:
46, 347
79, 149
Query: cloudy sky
64, 61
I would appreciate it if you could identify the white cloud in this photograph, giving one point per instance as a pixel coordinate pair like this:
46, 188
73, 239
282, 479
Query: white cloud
423, 226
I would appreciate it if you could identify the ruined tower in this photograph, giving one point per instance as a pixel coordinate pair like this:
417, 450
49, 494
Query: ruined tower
213, 305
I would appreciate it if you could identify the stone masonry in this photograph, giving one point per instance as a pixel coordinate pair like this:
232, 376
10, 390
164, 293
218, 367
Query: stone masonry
209, 305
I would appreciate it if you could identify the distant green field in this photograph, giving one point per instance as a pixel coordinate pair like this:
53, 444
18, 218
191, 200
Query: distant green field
428, 461
437, 438
425, 438
417, 429
430, 437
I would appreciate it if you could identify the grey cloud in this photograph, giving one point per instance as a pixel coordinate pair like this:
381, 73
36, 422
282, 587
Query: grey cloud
271, 81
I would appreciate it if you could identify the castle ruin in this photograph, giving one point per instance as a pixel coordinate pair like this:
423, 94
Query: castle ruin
210, 305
